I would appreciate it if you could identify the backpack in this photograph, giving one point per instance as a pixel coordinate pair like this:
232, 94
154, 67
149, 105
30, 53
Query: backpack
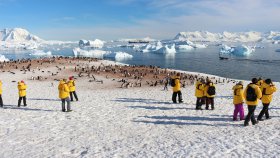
251, 94
211, 90
172, 82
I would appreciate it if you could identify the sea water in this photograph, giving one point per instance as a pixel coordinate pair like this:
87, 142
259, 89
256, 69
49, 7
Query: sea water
264, 62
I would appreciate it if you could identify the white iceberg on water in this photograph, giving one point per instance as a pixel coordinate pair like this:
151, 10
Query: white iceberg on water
3, 58
41, 53
241, 50
167, 49
89, 53
119, 56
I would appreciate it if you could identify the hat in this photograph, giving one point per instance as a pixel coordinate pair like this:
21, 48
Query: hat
268, 81
71, 78
240, 83
22, 81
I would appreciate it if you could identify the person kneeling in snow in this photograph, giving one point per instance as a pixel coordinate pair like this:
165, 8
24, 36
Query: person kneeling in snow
64, 95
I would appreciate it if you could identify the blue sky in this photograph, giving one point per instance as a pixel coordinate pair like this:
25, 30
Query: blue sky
114, 19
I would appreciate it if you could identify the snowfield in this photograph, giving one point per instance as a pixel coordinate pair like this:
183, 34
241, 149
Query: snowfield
134, 122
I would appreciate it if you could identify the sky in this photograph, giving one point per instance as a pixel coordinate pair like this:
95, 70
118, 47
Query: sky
116, 19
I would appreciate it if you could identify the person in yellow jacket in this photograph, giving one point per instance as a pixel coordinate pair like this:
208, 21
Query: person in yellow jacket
22, 93
177, 89
260, 82
252, 94
1, 101
64, 93
238, 99
267, 88
199, 93
72, 87
210, 91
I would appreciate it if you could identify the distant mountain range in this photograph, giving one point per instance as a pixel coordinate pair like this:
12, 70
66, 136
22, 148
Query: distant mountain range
205, 36
18, 35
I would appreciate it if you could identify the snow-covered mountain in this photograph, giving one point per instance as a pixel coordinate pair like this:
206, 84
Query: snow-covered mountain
206, 36
18, 35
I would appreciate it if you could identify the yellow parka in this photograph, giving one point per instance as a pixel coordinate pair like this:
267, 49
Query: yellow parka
177, 86
206, 89
267, 91
71, 85
238, 94
1, 88
258, 93
260, 82
22, 89
63, 90
199, 89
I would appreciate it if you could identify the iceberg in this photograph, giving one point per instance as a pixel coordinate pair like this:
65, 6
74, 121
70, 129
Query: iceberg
152, 47
184, 47
89, 53
94, 44
226, 49
118, 56
3, 58
242, 50
41, 53
166, 49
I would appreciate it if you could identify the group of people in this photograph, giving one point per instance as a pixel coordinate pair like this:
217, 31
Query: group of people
67, 93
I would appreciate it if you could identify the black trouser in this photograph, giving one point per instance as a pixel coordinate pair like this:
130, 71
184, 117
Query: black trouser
251, 115
210, 101
75, 95
174, 96
63, 104
264, 111
199, 101
1, 101
24, 101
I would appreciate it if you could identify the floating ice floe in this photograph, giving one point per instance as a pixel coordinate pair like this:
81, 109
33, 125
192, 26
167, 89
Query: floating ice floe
3, 58
226, 49
118, 56
41, 53
166, 49
89, 53
88, 43
241, 50
184, 47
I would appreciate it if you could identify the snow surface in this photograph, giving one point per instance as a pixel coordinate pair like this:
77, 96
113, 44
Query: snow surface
136, 122
18, 35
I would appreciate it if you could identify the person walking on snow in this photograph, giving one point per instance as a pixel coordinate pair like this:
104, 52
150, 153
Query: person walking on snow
72, 87
267, 88
64, 93
252, 94
238, 99
176, 89
22, 93
199, 93
210, 91
1, 101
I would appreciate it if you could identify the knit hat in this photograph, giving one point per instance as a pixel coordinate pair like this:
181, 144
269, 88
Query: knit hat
240, 83
268, 81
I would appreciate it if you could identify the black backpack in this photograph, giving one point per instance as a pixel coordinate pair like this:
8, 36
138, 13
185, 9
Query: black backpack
172, 82
251, 94
211, 90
